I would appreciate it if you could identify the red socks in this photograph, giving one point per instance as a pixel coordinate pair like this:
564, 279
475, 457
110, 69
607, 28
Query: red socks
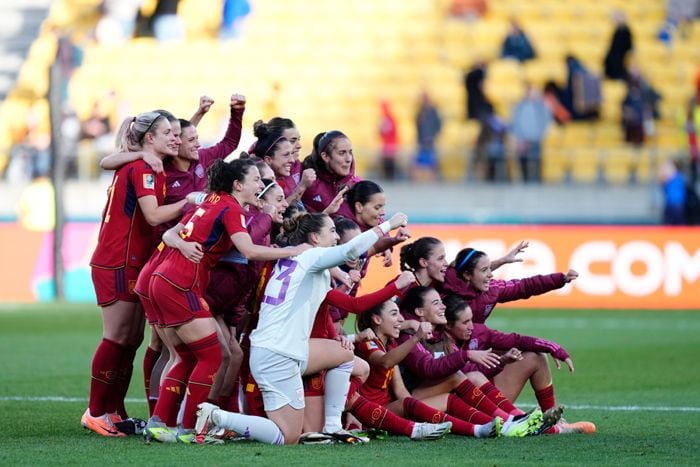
545, 397
419, 411
149, 361
115, 403
501, 401
208, 354
172, 389
374, 415
355, 383
460, 409
473, 396
105, 370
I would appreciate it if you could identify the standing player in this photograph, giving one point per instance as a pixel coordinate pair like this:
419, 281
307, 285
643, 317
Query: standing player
178, 284
125, 242
299, 178
279, 345
333, 161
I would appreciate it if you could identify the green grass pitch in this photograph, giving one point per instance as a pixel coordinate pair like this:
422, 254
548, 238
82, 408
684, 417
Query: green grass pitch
637, 377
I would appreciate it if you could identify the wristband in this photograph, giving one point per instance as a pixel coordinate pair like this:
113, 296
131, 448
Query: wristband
199, 199
351, 337
385, 227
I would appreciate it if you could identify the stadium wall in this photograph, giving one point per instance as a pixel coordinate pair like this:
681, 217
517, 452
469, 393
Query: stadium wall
636, 267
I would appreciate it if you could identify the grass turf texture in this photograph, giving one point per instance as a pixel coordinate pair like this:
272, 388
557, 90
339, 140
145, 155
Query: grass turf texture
622, 358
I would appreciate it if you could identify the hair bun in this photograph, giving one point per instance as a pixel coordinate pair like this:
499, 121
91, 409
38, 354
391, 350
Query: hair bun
260, 129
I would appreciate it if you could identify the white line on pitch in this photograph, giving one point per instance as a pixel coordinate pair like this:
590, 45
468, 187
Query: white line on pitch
606, 408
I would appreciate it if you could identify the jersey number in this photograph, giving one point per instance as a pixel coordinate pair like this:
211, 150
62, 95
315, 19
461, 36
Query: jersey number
189, 227
287, 267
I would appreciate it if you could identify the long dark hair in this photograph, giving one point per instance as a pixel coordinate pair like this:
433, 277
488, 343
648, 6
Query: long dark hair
221, 174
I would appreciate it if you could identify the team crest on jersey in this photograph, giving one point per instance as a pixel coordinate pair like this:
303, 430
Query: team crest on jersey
149, 181
474, 344
199, 171
488, 309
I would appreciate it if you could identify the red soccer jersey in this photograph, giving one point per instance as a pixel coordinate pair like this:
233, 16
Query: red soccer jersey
125, 238
376, 388
211, 225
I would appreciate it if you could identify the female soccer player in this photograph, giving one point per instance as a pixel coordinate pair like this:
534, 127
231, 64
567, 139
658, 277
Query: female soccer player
279, 345
177, 288
333, 161
429, 372
299, 179
184, 173
470, 276
385, 385
523, 358
125, 242
233, 281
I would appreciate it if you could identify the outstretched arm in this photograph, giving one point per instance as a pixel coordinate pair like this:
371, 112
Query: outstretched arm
205, 103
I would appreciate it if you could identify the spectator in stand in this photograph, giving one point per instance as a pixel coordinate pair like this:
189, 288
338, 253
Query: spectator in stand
531, 119
582, 96
673, 185
620, 46
490, 150
689, 121
388, 132
428, 126
639, 108
516, 44
233, 14
478, 104
552, 98
167, 25
470, 10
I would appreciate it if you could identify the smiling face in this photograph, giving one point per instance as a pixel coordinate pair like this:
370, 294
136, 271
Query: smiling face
461, 329
433, 310
280, 161
482, 275
294, 138
327, 236
387, 324
274, 196
251, 185
372, 211
435, 264
162, 141
339, 158
189, 148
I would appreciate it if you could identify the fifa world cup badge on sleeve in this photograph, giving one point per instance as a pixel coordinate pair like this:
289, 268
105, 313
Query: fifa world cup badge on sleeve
149, 181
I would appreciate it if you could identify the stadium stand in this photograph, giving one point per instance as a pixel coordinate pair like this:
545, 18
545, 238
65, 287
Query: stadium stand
329, 65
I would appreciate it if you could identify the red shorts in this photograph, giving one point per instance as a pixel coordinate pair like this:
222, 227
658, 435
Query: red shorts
112, 285
253, 398
314, 385
174, 306
149, 310
230, 287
